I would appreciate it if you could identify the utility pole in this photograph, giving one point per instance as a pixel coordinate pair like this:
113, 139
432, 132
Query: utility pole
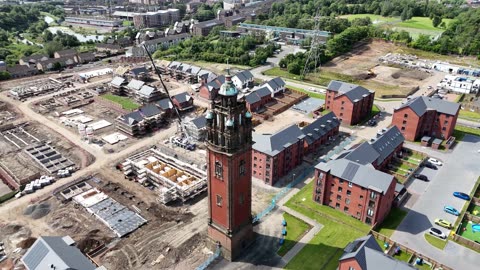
315, 48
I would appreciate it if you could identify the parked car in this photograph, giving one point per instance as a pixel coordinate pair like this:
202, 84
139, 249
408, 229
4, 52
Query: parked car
421, 177
449, 209
461, 195
372, 122
443, 223
429, 165
436, 232
435, 161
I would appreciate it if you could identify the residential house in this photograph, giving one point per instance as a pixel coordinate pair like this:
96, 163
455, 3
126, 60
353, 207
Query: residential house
32, 59
56, 252
85, 57
356, 189
276, 86
183, 101
117, 85
351, 103
364, 253
379, 151
320, 132
206, 76
204, 28
426, 117
138, 73
147, 94
70, 53
243, 79
20, 71
210, 90
54, 63
166, 106
257, 99
274, 156
146, 119
197, 128
134, 86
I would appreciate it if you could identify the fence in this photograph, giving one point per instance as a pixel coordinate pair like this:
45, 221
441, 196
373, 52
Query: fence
466, 242
393, 245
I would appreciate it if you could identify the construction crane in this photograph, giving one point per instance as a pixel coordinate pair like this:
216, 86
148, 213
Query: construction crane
182, 139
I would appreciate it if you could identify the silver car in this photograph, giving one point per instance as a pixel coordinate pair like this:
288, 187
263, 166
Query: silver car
438, 233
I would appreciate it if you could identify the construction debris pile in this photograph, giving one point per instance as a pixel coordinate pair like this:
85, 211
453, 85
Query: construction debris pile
36, 88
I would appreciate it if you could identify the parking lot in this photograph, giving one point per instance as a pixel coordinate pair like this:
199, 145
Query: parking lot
459, 173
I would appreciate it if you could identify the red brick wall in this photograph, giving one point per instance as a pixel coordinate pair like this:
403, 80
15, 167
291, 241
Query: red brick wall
409, 129
346, 264
352, 113
232, 212
417, 127
358, 199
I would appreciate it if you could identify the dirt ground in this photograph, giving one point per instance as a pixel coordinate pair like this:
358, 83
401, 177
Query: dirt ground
387, 80
15, 159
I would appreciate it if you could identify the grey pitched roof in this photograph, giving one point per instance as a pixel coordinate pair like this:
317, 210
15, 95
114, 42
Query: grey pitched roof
194, 70
363, 175
320, 127
221, 79
276, 83
182, 97
135, 84
274, 144
53, 250
200, 122
387, 142
377, 149
421, 104
244, 76
263, 92
138, 70
132, 118
352, 91
174, 65
150, 110
117, 81
164, 104
146, 90
370, 256
252, 98
166, 39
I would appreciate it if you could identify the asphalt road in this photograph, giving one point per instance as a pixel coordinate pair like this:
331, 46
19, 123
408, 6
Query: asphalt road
459, 173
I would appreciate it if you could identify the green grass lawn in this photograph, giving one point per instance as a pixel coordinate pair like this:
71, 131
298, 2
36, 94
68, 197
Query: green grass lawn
461, 131
403, 256
310, 94
376, 19
468, 233
435, 241
468, 115
296, 228
423, 23
324, 250
474, 208
126, 102
391, 222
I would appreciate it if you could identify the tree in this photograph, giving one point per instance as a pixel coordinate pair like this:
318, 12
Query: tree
294, 68
51, 47
403, 16
436, 21
4, 75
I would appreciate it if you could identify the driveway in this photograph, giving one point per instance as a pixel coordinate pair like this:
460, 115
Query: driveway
459, 173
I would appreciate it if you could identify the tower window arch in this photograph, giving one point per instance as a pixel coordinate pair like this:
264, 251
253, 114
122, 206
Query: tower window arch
242, 168
218, 170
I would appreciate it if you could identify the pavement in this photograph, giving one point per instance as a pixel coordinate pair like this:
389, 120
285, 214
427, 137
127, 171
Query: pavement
458, 173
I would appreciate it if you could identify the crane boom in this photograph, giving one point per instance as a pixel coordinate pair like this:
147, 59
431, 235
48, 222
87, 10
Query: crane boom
163, 84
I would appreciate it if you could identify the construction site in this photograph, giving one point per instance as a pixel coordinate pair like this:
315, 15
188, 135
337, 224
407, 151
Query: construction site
39, 87
45, 152
363, 66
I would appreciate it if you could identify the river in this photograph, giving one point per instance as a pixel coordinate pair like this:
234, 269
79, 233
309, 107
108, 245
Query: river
81, 38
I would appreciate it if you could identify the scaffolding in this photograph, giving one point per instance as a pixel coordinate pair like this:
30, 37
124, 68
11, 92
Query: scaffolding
175, 180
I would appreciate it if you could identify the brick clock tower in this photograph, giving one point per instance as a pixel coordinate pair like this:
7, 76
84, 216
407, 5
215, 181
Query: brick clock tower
229, 154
